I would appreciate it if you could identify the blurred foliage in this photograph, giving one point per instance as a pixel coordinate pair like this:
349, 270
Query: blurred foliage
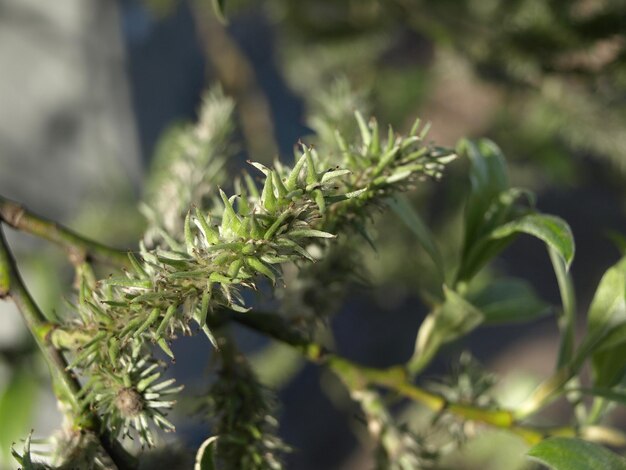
557, 68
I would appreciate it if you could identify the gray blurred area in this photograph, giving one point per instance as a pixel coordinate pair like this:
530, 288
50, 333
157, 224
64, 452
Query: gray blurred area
67, 138
66, 129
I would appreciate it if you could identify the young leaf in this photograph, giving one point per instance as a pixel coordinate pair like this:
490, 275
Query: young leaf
205, 457
451, 320
153, 317
366, 135
165, 347
554, 231
311, 172
188, 235
488, 179
608, 307
564, 453
331, 175
309, 233
169, 314
606, 330
609, 365
279, 185
607, 313
218, 9
508, 300
260, 267
268, 198
292, 180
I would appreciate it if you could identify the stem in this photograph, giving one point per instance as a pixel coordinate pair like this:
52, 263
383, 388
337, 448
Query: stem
78, 248
65, 384
567, 365
568, 300
396, 379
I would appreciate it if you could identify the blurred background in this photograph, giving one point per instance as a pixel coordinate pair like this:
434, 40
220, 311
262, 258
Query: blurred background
87, 87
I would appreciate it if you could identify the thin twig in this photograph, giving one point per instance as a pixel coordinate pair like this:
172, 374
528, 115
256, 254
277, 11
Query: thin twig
396, 379
239, 80
78, 248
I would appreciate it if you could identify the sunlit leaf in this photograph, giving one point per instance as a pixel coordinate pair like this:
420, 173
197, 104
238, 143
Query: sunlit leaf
553, 231
454, 318
205, 457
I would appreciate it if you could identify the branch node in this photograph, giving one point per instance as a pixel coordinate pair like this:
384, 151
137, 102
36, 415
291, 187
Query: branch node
12, 213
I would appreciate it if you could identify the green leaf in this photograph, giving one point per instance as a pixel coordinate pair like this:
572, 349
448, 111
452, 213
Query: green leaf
268, 198
491, 203
563, 453
271, 231
488, 179
606, 317
309, 233
353, 194
611, 394
608, 307
508, 300
332, 174
609, 365
202, 223
411, 218
553, 231
165, 347
366, 135
449, 321
205, 457
188, 234
126, 282
152, 318
488, 172
231, 222
176, 260
279, 185
311, 172
260, 267
137, 265
606, 327
259, 166
218, 9
25, 458
292, 180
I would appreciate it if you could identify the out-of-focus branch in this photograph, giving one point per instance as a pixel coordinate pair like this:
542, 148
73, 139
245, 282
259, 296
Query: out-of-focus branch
239, 80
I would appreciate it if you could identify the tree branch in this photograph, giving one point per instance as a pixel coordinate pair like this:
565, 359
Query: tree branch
65, 384
78, 248
396, 379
